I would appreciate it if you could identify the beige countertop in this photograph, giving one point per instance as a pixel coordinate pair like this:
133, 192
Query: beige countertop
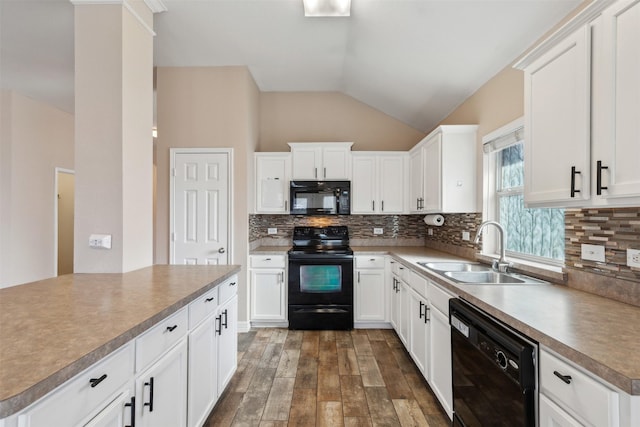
53, 329
597, 333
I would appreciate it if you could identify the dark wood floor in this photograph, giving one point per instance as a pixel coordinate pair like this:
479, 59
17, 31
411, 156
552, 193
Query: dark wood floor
326, 378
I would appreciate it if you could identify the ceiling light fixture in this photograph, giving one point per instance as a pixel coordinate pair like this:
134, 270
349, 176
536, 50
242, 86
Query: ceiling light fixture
315, 8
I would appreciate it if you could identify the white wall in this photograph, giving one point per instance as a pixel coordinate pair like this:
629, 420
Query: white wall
36, 138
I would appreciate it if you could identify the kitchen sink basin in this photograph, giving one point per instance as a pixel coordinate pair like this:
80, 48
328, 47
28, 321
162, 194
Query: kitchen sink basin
475, 273
455, 266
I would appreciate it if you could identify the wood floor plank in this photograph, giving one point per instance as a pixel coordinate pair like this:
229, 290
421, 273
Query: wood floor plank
329, 414
423, 395
357, 422
328, 383
371, 376
242, 378
310, 344
271, 356
256, 349
354, 400
381, 407
362, 344
279, 400
375, 335
327, 352
409, 413
274, 423
303, 408
245, 340
279, 336
343, 339
347, 362
262, 380
225, 410
392, 375
307, 374
294, 340
250, 409
288, 365
328, 336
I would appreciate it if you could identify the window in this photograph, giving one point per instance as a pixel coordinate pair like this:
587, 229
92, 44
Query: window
536, 234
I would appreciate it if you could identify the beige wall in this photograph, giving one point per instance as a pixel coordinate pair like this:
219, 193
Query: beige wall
329, 116
114, 105
209, 107
36, 138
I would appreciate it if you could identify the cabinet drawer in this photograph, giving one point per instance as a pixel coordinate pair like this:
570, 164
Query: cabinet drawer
439, 298
160, 338
203, 306
76, 400
227, 289
417, 283
266, 261
367, 261
584, 397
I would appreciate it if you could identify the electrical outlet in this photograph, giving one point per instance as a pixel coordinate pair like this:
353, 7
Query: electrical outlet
465, 235
592, 252
272, 230
100, 241
633, 258
378, 230
430, 232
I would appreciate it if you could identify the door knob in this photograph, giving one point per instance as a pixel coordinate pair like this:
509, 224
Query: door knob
221, 250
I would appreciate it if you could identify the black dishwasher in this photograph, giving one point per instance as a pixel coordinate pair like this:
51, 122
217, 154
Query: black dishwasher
494, 371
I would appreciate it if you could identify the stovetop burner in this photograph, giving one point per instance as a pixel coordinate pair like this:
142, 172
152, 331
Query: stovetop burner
321, 240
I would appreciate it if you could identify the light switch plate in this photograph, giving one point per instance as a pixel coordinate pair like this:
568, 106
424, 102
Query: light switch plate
430, 232
272, 230
592, 252
378, 230
633, 258
465, 235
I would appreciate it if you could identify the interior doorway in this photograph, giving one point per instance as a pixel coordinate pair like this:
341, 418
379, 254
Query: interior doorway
64, 214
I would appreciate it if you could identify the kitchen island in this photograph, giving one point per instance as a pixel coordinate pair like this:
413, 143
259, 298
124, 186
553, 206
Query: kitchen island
53, 329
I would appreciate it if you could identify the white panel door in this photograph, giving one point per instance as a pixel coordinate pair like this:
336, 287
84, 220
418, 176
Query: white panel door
200, 230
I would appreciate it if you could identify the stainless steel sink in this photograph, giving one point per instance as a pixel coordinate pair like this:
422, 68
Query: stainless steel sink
455, 266
474, 273
482, 277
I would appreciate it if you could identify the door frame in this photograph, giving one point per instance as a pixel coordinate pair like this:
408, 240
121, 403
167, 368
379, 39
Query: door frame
230, 204
57, 170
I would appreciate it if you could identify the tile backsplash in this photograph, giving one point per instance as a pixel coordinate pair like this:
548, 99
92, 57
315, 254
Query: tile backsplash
617, 229
395, 227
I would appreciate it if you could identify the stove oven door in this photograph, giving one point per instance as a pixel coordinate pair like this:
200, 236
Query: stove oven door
321, 291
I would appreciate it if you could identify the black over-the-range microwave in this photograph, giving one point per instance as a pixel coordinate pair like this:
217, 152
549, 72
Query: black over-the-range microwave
320, 197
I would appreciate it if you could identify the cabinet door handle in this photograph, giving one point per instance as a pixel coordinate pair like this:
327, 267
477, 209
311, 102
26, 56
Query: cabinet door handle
382, 206
219, 325
225, 320
172, 328
599, 186
418, 203
286, 204
267, 259
132, 405
150, 402
232, 284
565, 378
427, 310
95, 381
358, 277
373, 205
315, 173
574, 172
325, 173
420, 310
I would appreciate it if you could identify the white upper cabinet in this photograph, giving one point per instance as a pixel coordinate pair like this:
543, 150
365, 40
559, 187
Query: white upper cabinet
321, 160
582, 103
443, 171
616, 105
272, 172
378, 183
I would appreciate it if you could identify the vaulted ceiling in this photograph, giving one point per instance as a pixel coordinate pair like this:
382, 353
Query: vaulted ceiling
415, 60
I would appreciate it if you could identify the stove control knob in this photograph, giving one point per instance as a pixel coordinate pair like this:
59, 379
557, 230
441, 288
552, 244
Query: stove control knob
501, 360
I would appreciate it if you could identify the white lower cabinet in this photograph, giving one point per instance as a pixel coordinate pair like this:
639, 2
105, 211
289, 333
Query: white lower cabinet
112, 415
227, 331
369, 290
268, 290
551, 415
440, 346
203, 371
419, 330
161, 390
